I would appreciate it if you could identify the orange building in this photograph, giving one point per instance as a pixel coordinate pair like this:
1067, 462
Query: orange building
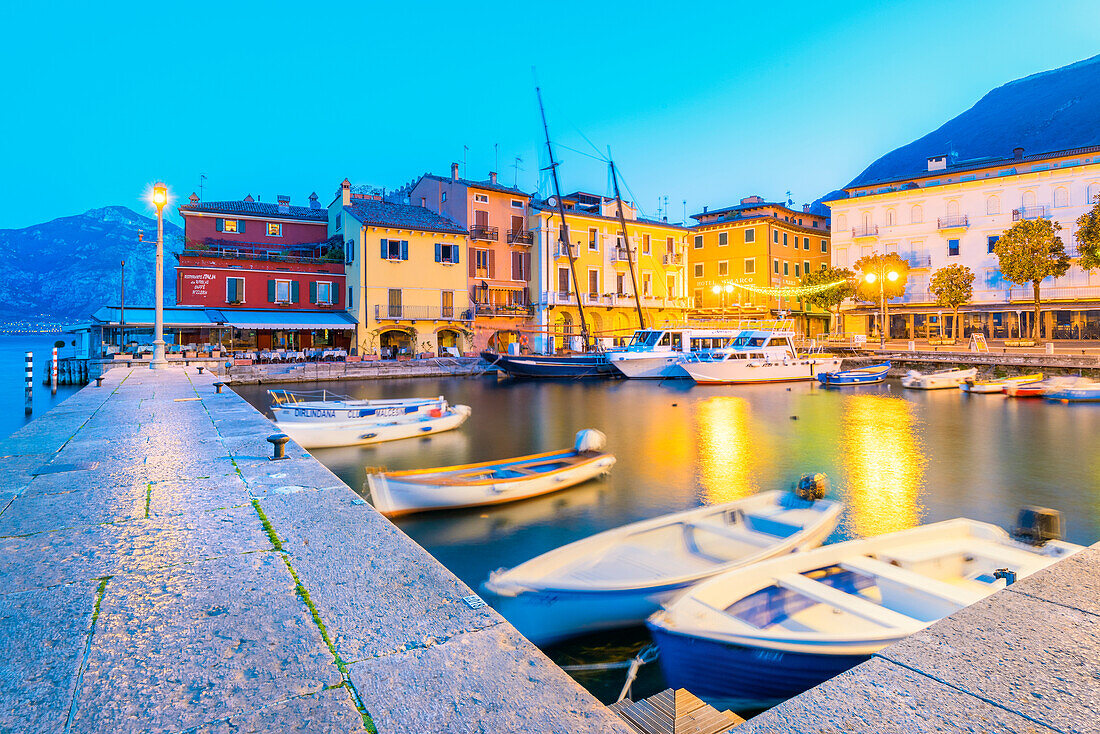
757, 244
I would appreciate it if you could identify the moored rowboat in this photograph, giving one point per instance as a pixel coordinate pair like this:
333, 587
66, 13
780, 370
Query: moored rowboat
861, 376
326, 434
941, 380
618, 577
1073, 390
999, 385
326, 406
490, 482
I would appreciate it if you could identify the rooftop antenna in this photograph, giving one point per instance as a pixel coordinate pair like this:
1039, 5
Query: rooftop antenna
515, 172
790, 201
202, 179
685, 219
496, 156
465, 171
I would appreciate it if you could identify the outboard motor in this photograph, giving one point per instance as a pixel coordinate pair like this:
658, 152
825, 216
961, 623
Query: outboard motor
812, 487
1036, 525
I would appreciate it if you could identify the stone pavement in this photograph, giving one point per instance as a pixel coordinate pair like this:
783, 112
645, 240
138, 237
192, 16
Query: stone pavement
1024, 661
159, 573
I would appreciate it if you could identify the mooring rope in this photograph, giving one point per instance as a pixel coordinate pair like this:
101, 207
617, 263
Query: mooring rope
646, 655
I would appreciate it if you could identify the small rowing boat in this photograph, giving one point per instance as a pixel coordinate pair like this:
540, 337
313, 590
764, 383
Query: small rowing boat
998, 385
368, 430
763, 633
942, 380
326, 406
1073, 390
1028, 389
618, 577
490, 482
861, 376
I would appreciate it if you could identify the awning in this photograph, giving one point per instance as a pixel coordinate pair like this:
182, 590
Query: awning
184, 317
277, 319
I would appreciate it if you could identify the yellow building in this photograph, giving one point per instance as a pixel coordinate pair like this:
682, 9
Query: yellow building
760, 245
603, 272
406, 275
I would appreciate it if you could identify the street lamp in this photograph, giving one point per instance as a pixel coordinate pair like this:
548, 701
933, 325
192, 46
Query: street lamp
882, 277
160, 198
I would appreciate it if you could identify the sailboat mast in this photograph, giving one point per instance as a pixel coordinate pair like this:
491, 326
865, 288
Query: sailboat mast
626, 240
563, 234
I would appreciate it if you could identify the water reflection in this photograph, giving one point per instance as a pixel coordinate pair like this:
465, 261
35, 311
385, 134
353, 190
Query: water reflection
726, 458
883, 464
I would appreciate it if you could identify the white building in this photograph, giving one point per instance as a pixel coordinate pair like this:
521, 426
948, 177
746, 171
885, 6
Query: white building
953, 213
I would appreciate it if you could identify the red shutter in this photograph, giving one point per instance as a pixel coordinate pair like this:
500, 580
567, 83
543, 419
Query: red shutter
517, 265
527, 266
472, 255
492, 264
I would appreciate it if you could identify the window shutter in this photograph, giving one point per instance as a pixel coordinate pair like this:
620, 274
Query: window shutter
271, 291
438, 252
220, 224
313, 291
385, 249
294, 292
240, 226
455, 250
517, 265
404, 249
492, 264
473, 263
230, 289
526, 266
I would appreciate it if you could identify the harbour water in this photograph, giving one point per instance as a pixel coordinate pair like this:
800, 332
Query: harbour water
896, 458
13, 348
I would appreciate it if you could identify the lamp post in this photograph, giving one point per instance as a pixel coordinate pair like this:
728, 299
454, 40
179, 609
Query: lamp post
160, 198
881, 277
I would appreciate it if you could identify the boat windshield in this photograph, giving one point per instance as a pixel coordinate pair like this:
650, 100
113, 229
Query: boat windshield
646, 339
748, 340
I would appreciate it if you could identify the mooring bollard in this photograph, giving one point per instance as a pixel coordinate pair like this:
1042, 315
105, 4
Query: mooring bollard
278, 445
218, 386
201, 368
99, 381
29, 397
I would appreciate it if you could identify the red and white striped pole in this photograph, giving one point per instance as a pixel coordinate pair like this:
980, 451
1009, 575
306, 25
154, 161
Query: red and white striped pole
30, 382
53, 373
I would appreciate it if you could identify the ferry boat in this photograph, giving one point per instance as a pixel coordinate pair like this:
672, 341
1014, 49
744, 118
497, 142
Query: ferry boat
765, 353
315, 406
655, 354
759, 634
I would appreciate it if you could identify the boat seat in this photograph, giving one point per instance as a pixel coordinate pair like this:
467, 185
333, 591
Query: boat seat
744, 534
958, 595
770, 526
845, 602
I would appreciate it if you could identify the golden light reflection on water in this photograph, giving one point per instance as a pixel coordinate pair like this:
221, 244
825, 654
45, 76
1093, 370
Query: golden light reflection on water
884, 464
726, 450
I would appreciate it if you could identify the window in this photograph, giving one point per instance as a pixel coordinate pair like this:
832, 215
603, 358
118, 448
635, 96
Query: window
824, 266
824, 245
1094, 193
481, 198
563, 281
349, 251
443, 198
517, 203
916, 214
282, 291
796, 273
350, 304
786, 269
481, 263
520, 265
670, 281
775, 236
230, 226
723, 267
395, 249
593, 282
697, 297
620, 281
593, 239
234, 290
1061, 197
447, 304
274, 229
698, 270
993, 205
645, 244
952, 209
991, 242
784, 239
750, 265
647, 284
723, 239
394, 302
750, 235
775, 266
320, 292
446, 253
698, 242
806, 267
889, 217
1028, 199
952, 247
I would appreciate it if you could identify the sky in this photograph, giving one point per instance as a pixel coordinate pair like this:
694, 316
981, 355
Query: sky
703, 103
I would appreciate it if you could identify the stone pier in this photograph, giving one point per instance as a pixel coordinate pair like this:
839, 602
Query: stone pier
159, 573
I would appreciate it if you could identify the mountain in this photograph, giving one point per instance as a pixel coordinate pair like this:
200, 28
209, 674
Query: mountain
1048, 111
63, 270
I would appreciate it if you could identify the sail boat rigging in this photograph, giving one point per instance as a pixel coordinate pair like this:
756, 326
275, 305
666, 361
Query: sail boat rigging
626, 240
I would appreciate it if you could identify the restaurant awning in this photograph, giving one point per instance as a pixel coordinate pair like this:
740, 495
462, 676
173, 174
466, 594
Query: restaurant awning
184, 317
265, 319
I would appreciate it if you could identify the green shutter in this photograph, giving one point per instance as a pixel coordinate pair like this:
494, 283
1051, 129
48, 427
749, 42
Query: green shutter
220, 224
438, 252
313, 291
271, 291
404, 249
294, 292
240, 226
385, 249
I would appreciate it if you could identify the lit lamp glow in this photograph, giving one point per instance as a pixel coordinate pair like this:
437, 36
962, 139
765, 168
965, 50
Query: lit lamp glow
881, 278
159, 361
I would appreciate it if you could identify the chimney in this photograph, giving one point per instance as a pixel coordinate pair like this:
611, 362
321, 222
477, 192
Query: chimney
313, 203
454, 171
805, 208
1017, 153
492, 177
193, 198
249, 198
284, 203
704, 209
345, 192
754, 199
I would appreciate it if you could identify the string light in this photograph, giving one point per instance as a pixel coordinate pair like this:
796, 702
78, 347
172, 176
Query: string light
800, 291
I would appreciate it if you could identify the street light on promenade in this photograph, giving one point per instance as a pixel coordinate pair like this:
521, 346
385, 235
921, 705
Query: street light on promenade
882, 277
160, 198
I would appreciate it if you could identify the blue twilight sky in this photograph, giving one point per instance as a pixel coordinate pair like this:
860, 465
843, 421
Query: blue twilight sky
703, 102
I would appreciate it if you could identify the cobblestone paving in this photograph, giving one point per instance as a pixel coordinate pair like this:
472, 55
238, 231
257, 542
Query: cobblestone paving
159, 573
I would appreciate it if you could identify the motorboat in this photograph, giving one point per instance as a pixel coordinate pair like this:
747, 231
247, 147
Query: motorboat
859, 376
360, 431
942, 380
998, 385
1072, 390
618, 577
561, 366
318, 406
490, 482
763, 354
763, 633
655, 353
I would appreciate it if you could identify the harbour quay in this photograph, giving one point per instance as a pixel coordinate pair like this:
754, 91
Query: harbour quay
162, 573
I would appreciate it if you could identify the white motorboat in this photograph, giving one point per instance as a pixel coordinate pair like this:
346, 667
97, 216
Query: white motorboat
763, 354
942, 380
326, 406
655, 353
763, 633
618, 577
490, 482
327, 434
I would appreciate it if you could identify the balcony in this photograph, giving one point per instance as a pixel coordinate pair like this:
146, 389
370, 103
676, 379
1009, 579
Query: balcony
955, 221
504, 309
483, 232
619, 254
674, 258
1029, 212
394, 312
865, 230
334, 257
917, 261
561, 251
520, 237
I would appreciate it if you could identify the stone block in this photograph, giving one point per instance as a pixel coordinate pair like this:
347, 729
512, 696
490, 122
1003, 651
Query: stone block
197, 495
35, 513
331, 710
1073, 582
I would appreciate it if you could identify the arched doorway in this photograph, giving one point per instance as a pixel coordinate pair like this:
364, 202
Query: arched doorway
622, 329
393, 343
500, 340
448, 343
595, 326
563, 331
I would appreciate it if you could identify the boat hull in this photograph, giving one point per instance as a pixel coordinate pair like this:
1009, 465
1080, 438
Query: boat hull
394, 497
356, 433
726, 674
937, 381
546, 366
657, 367
1071, 395
337, 412
853, 377
742, 372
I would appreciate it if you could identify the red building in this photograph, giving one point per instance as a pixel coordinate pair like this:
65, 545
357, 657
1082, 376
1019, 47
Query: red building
269, 268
